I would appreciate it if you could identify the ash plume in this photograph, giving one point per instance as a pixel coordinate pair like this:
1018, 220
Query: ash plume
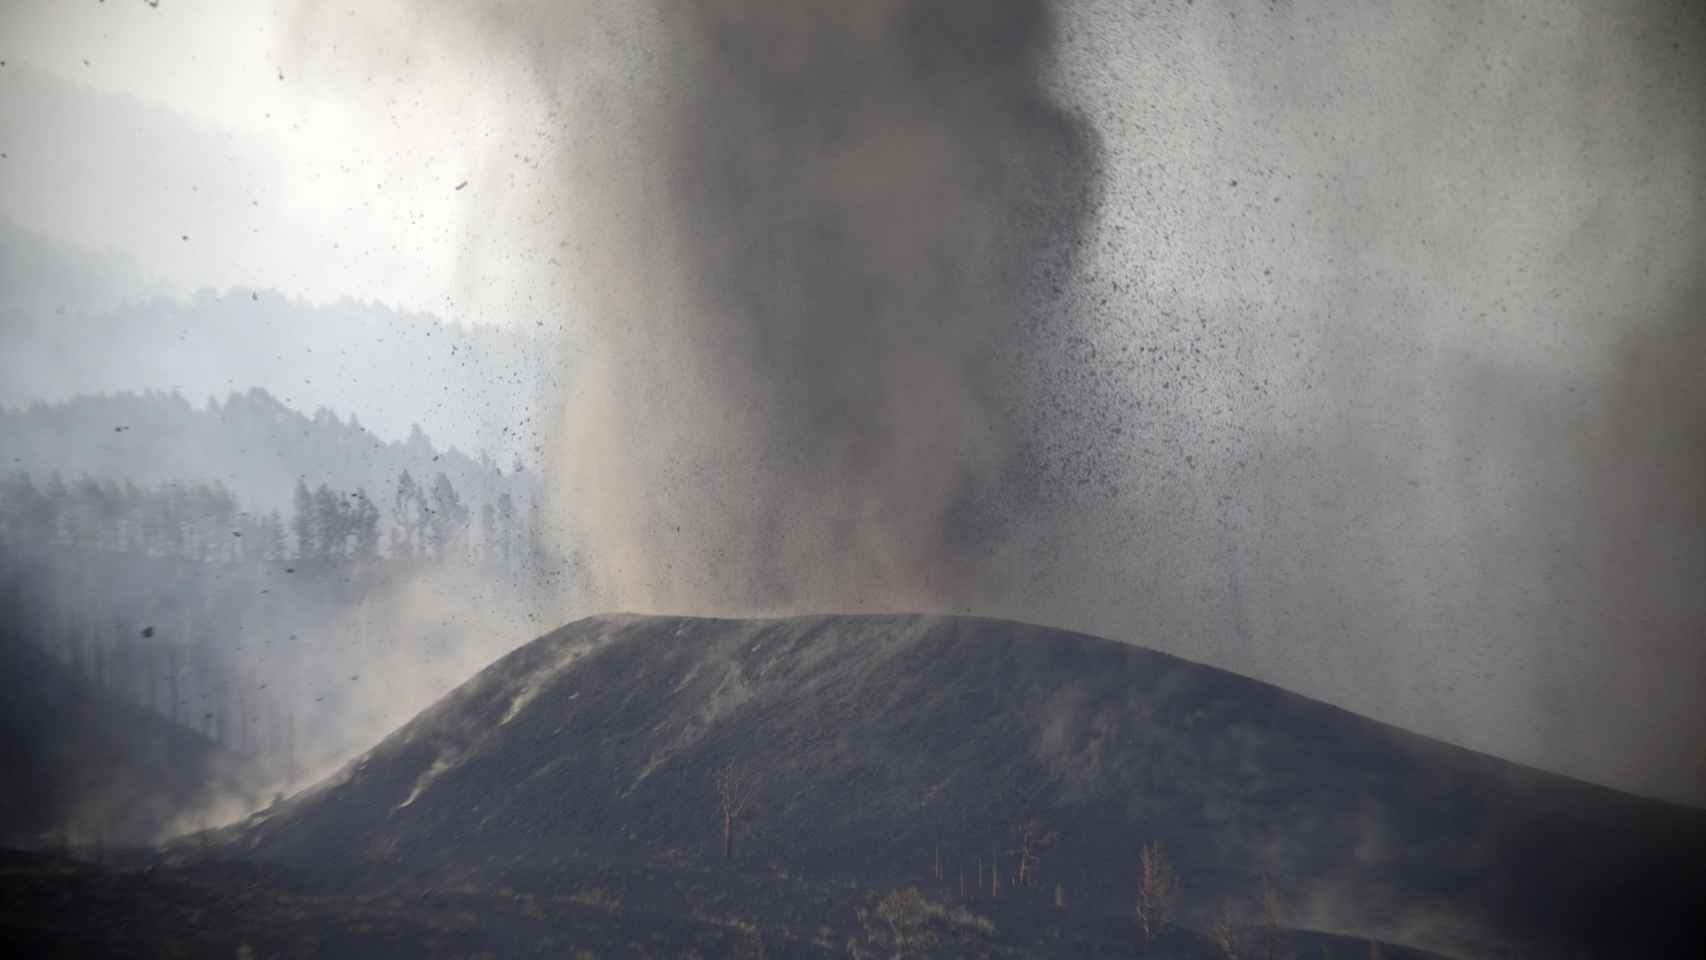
1349, 352
807, 391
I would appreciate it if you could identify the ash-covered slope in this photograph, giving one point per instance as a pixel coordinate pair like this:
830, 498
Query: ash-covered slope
885, 742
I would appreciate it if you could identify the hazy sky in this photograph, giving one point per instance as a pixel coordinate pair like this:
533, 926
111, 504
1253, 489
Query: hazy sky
1348, 346
289, 164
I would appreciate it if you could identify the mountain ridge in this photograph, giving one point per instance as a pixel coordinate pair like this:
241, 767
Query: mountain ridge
1564, 778
252, 442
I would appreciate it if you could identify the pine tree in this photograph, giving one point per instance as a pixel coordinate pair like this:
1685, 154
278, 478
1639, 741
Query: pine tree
405, 514
490, 537
272, 547
364, 525
331, 526
449, 516
508, 547
302, 523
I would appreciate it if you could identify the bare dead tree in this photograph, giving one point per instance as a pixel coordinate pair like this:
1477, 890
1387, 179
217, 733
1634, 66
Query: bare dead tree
1225, 934
737, 786
1034, 837
1156, 885
1270, 921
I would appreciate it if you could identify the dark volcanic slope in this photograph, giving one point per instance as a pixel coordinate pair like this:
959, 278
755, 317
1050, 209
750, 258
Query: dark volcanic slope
881, 739
84, 766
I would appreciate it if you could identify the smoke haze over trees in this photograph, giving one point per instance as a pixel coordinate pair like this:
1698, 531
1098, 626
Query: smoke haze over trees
264, 615
249, 441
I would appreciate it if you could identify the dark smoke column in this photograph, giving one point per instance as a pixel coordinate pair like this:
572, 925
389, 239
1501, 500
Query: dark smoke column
866, 208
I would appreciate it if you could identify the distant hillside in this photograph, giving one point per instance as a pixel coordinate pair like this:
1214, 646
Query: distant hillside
476, 387
882, 743
43, 278
257, 446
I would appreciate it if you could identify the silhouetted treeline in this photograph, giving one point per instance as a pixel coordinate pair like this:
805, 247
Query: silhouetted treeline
258, 447
243, 625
